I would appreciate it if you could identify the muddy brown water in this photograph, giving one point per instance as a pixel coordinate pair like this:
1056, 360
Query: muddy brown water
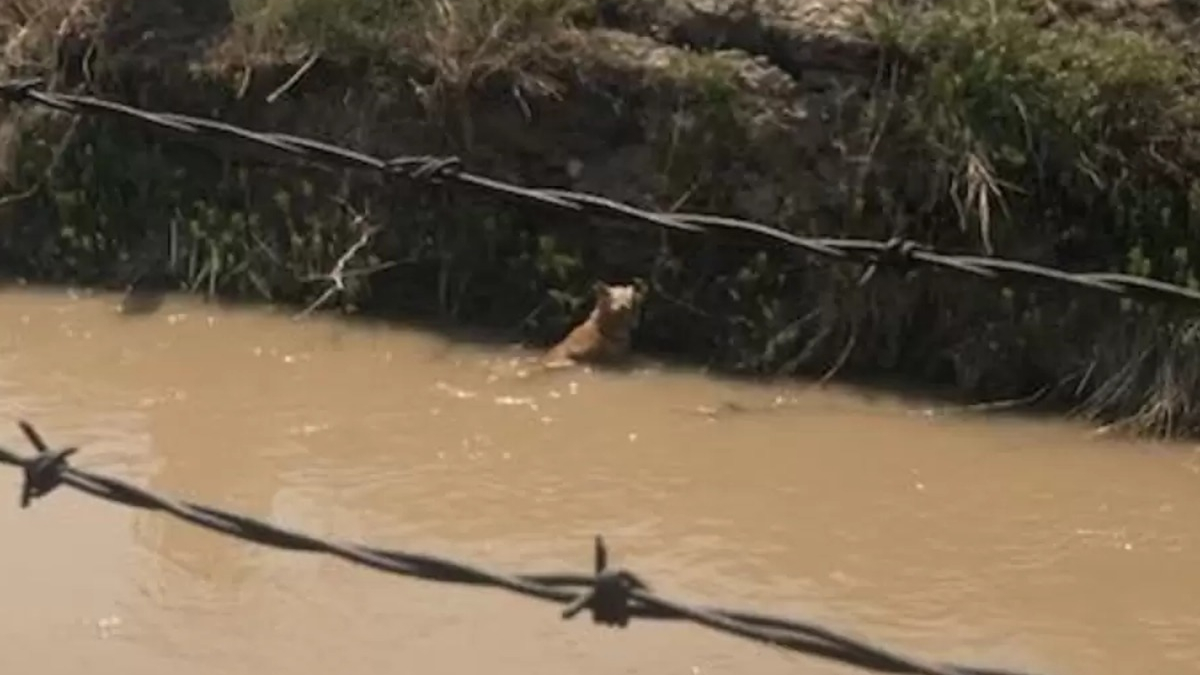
1001, 543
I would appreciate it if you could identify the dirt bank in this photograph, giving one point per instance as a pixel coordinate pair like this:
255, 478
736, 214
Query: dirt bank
1062, 134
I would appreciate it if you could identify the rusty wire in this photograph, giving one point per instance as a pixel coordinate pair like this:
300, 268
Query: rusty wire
896, 252
612, 596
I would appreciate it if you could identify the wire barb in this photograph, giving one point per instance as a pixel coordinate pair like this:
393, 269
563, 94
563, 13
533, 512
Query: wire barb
45, 470
896, 253
610, 596
426, 169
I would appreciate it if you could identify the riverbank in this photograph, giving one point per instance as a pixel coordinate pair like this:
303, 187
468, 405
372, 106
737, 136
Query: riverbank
1062, 137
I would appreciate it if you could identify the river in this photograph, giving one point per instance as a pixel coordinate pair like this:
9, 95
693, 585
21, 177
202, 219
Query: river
994, 542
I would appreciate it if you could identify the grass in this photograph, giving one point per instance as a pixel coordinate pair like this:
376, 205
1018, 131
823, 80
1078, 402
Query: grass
1071, 116
32, 27
1067, 141
464, 43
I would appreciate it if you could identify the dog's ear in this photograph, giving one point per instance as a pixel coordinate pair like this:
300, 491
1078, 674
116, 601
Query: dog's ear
600, 290
640, 288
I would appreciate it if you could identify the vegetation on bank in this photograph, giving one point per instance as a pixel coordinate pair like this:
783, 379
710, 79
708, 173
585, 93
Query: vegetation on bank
984, 126
1067, 141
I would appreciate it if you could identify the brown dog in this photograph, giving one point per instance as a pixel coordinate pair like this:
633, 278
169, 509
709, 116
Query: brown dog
604, 337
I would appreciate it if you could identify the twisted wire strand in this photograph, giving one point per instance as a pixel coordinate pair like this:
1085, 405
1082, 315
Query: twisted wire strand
613, 596
896, 252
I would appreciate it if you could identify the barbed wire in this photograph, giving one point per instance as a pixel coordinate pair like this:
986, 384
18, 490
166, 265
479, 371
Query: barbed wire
612, 596
896, 252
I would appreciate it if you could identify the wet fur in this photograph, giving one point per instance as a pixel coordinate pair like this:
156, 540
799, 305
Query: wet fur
605, 336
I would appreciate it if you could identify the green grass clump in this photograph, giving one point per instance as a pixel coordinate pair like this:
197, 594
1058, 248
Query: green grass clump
1044, 130
1061, 140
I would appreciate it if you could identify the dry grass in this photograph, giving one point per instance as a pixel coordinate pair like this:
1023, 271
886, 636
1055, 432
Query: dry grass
30, 29
464, 42
447, 48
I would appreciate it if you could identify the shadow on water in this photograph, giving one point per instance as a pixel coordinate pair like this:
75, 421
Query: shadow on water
141, 301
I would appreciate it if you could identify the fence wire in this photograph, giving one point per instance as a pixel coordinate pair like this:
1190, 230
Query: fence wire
612, 596
896, 252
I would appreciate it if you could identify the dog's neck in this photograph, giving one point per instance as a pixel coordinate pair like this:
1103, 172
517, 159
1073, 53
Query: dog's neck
607, 328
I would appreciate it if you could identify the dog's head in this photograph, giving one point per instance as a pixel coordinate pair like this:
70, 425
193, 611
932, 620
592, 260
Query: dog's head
618, 305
